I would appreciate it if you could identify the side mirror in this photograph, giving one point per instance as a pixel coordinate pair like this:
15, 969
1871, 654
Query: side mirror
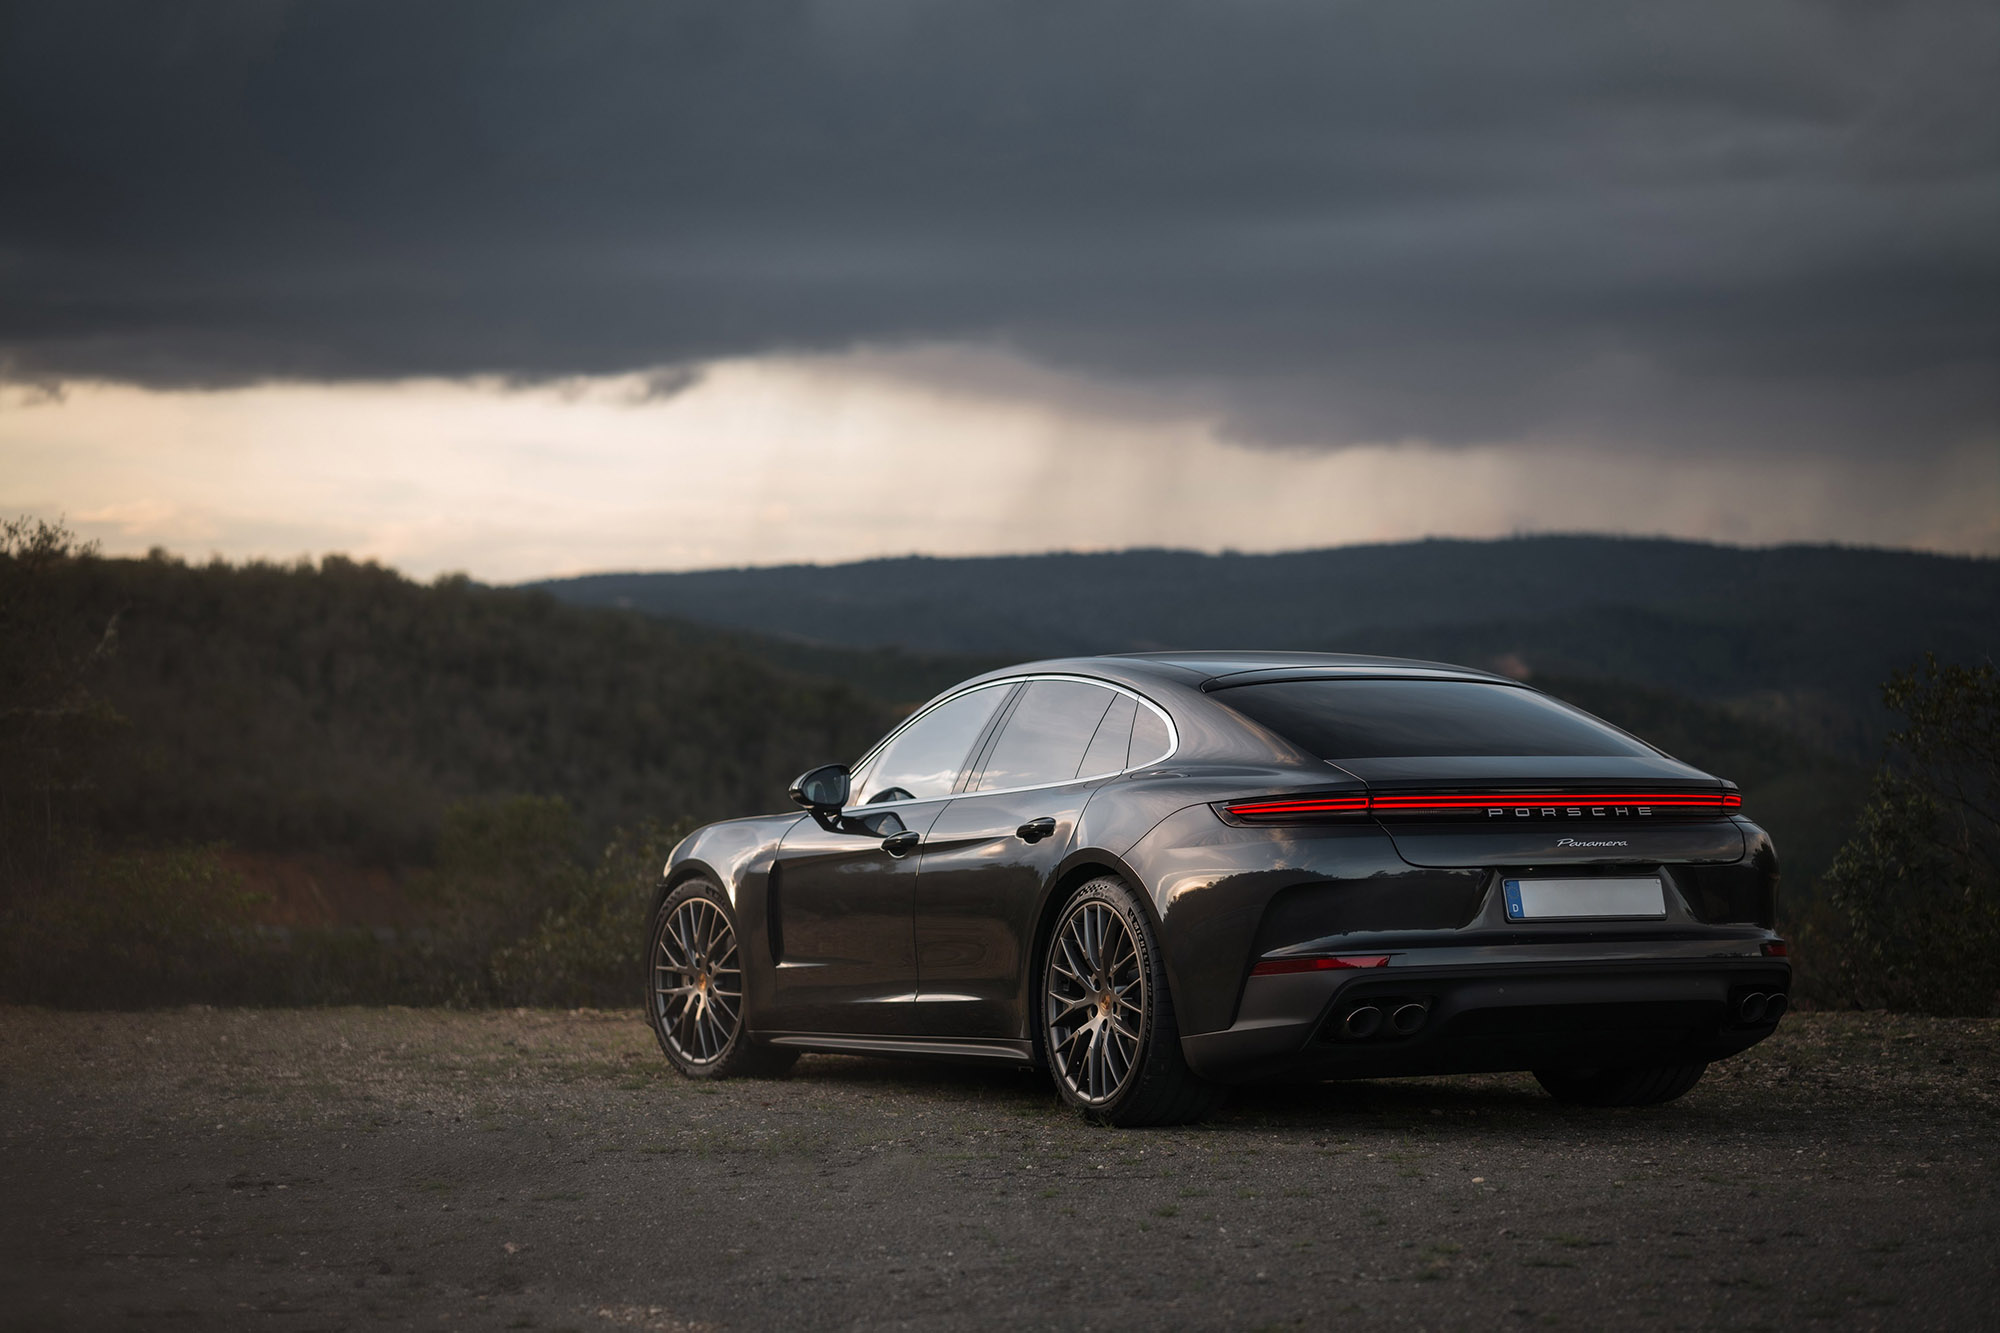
822, 790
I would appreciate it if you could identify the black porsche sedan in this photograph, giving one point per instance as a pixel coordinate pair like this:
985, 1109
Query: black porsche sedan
1156, 875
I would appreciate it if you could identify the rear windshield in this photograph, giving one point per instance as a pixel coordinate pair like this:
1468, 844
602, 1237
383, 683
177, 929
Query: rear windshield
1382, 719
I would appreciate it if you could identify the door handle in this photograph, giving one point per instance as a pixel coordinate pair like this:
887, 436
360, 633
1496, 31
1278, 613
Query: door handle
1036, 829
902, 844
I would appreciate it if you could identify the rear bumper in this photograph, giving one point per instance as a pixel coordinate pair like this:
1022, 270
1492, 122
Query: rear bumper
1535, 1010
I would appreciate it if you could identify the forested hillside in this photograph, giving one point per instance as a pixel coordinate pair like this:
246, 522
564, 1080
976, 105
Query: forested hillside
330, 784
342, 707
1799, 635
210, 753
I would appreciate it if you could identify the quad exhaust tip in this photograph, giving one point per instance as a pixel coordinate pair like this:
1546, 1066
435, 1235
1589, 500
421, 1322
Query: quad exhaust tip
1362, 1022
1757, 1007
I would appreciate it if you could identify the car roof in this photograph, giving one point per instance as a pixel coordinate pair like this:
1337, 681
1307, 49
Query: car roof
1215, 667
1208, 670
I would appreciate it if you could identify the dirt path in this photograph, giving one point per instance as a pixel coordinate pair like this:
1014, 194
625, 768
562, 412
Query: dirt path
324, 1170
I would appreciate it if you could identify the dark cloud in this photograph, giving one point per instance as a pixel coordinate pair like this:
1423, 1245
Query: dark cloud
1720, 224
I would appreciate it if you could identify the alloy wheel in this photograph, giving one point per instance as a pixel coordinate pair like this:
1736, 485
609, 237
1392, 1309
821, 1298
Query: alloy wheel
1095, 1000
697, 982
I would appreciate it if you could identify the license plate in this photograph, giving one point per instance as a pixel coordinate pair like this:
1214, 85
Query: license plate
1584, 899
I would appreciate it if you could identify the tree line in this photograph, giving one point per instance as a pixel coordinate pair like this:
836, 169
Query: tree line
520, 767
155, 714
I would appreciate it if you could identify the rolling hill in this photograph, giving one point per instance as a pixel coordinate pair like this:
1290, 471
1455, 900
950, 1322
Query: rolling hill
1798, 636
343, 708
338, 711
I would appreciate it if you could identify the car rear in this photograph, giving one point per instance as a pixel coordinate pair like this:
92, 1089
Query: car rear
1488, 879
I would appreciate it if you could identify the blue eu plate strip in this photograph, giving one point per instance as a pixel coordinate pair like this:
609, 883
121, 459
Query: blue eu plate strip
1513, 890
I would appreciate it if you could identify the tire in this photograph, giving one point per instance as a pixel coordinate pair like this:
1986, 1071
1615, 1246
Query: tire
694, 988
1647, 1086
1106, 1020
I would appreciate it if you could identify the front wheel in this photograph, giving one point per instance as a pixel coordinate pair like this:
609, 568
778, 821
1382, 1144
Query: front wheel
1648, 1086
1107, 1021
694, 989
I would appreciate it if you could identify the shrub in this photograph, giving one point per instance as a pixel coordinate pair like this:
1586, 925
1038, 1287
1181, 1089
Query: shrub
153, 927
516, 917
1916, 890
589, 948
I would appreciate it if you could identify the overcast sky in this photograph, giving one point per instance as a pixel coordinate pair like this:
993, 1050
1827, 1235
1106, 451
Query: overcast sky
535, 288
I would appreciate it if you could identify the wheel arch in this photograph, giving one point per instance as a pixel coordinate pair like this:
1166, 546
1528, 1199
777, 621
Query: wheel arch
692, 868
680, 873
1077, 869
729, 853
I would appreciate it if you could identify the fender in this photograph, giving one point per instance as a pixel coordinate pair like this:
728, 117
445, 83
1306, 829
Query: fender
726, 852
1066, 874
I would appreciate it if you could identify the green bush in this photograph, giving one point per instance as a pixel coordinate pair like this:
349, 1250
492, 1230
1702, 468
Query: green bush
589, 949
514, 917
1915, 893
153, 927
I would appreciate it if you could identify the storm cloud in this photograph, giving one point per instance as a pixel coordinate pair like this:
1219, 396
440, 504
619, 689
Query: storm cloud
1705, 226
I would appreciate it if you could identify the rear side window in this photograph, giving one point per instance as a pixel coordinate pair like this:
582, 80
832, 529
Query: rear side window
1045, 739
1114, 737
1150, 739
925, 757
1381, 719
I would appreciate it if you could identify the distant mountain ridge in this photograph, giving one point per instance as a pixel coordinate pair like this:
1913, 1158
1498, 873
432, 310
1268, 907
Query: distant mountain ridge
1802, 634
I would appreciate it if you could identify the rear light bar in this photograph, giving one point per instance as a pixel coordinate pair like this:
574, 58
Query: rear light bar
1277, 967
1398, 803
1493, 804
1316, 805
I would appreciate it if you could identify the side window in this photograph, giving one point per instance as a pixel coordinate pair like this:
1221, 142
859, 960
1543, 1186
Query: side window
1114, 737
924, 759
1045, 738
1150, 740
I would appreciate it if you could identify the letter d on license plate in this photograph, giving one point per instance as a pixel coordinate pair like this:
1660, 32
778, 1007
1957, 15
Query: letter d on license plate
1585, 899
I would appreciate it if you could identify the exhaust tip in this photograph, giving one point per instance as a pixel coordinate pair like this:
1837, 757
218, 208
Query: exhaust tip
1775, 1005
1750, 1009
1408, 1018
1361, 1022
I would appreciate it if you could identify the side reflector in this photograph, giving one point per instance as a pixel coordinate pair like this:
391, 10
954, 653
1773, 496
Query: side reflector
1777, 949
1277, 967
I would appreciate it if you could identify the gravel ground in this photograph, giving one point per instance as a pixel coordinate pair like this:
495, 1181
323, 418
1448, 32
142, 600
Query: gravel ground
318, 1170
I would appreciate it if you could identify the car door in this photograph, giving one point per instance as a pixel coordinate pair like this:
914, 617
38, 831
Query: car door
988, 854
841, 904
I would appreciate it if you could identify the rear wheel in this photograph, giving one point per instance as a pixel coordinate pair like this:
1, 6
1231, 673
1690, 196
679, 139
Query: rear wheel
694, 989
1107, 1020
1646, 1086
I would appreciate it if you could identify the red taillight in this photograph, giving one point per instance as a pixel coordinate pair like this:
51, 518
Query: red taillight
1397, 803
1777, 949
1488, 804
1277, 967
1309, 807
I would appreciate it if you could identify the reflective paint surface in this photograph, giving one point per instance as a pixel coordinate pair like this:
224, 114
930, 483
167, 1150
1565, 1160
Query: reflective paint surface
969, 944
